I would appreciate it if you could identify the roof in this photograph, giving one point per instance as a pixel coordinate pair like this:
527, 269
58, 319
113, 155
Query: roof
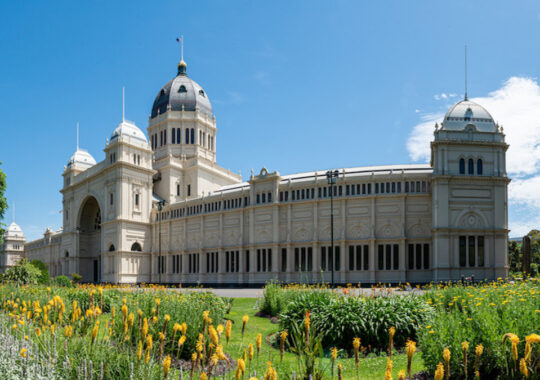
181, 93
82, 159
14, 231
128, 128
466, 113
348, 172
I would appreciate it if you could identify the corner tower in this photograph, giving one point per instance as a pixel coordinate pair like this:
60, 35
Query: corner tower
469, 195
182, 131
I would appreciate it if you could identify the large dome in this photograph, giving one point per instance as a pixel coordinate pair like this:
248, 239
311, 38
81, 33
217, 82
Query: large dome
465, 113
181, 93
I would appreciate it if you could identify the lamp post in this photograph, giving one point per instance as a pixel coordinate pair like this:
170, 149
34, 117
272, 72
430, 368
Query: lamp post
331, 176
160, 205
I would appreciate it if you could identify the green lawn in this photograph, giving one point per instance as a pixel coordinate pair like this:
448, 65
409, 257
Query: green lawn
370, 368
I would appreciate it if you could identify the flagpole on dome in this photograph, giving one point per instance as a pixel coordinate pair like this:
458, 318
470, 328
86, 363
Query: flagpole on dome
77, 136
123, 104
466, 97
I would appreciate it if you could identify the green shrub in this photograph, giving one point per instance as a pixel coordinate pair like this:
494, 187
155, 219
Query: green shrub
481, 315
23, 273
76, 278
63, 281
340, 318
44, 278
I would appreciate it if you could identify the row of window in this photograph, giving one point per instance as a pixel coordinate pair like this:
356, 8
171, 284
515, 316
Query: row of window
470, 166
205, 140
387, 258
356, 189
136, 159
471, 251
232, 261
264, 197
300, 194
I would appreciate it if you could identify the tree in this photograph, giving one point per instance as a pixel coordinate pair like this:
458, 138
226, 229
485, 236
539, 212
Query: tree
3, 202
514, 256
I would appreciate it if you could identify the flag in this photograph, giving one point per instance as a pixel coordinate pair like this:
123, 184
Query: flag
179, 39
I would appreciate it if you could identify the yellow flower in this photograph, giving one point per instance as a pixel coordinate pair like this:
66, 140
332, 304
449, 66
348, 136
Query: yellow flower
523, 368
166, 365
145, 328
479, 350
439, 372
465, 346
158, 302
94, 331
258, 341
228, 328
446, 355
401, 375
203, 376
23, 352
533, 338
139, 350
334, 352
149, 343
181, 340
250, 351
213, 335
391, 332
410, 348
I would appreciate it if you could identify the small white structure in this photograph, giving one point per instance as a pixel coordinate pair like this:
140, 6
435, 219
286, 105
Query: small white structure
12, 247
397, 223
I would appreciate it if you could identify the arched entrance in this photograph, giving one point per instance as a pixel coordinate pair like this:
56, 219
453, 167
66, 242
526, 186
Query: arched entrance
89, 257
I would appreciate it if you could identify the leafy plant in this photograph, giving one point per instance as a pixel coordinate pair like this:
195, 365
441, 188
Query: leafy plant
76, 278
63, 281
44, 278
23, 273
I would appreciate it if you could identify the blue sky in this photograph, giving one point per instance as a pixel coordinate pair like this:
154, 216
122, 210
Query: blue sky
295, 85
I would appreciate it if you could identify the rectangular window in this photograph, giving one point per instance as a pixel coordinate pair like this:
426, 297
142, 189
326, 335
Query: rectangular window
480, 251
269, 197
258, 198
376, 188
337, 261
393, 187
411, 256
387, 187
247, 261
351, 257
173, 136
187, 135
269, 260
347, 190
226, 261
111, 199
188, 190
381, 256
323, 258
258, 260
310, 259
263, 197
396, 257
366, 257
136, 199
388, 265
399, 187
284, 259
178, 130
462, 251
297, 259
418, 256
369, 188
426, 256
472, 251
359, 257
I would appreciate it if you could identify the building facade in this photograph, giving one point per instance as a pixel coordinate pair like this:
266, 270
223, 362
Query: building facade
162, 210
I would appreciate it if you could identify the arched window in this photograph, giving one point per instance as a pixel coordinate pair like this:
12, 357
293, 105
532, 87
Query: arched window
182, 89
112, 248
67, 254
136, 247
471, 166
461, 166
178, 130
187, 135
479, 167
201, 92
192, 135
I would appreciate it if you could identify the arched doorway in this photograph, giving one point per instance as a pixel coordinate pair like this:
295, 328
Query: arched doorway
89, 258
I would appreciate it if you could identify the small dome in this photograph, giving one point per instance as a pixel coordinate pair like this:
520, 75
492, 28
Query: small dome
128, 128
13, 231
465, 113
181, 93
82, 159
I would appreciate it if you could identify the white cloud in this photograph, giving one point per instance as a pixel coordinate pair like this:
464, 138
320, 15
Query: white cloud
515, 106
